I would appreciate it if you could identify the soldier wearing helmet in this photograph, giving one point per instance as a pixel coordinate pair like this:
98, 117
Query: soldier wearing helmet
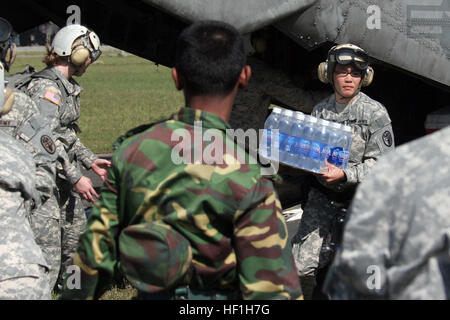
347, 70
56, 93
25, 123
24, 272
192, 229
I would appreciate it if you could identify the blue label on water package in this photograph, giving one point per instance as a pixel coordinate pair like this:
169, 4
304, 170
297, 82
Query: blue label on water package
315, 150
282, 140
289, 144
304, 146
333, 157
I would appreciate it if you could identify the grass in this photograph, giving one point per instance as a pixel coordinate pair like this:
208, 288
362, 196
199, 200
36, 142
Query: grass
120, 93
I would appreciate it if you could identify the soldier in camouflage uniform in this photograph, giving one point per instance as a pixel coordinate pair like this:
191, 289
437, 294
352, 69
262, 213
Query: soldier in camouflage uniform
396, 239
57, 95
227, 211
25, 123
330, 194
23, 270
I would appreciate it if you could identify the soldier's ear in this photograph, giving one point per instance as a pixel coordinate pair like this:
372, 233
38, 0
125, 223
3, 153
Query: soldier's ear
177, 79
244, 77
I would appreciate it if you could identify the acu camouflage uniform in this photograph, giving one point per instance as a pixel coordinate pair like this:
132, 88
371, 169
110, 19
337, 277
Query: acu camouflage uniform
62, 110
397, 236
230, 215
23, 270
371, 137
25, 123
268, 85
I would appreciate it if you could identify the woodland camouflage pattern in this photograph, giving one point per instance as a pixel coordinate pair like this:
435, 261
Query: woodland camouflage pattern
23, 268
63, 114
399, 223
154, 256
25, 123
371, 137
230, 214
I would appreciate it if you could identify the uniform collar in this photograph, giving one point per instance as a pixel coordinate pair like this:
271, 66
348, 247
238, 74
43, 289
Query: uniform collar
349, 104
208, 119
71, 86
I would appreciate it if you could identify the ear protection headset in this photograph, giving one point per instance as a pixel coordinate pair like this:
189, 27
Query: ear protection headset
80, 53
345, 54
78, 43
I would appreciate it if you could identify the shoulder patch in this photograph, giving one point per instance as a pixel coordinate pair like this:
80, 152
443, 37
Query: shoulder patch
387, 138
48, 144
52, 97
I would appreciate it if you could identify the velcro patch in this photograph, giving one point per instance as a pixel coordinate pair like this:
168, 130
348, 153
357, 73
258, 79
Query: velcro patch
48, 144
387, 138
52, 97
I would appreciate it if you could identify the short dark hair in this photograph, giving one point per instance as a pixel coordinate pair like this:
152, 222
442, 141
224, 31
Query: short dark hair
210, 56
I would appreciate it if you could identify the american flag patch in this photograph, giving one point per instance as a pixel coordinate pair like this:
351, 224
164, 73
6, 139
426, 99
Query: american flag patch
52, 97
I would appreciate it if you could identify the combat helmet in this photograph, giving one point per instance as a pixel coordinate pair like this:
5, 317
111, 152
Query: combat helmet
346, 54
77, 43
154, 256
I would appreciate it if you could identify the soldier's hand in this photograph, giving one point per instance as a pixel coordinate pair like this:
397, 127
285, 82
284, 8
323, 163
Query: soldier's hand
100, 167
86, 189
333, 174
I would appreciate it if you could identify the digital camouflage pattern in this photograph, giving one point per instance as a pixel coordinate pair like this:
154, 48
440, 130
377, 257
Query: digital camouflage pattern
396, 238
266, 86
154, 256
23, 268
371, 138
62, 111
63, 117
25, 123
228, 212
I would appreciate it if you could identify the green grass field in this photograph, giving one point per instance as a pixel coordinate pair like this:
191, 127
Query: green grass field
120, 93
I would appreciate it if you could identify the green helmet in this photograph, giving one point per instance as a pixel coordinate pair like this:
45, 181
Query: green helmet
154, 256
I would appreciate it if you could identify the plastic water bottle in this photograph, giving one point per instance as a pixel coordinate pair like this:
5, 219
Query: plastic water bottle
306, 149
335, 137
271, 123
345, 143
321, 140
286, 141
294, 139
297, 131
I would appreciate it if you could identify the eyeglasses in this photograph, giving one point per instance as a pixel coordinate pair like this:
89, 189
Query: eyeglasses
343, 74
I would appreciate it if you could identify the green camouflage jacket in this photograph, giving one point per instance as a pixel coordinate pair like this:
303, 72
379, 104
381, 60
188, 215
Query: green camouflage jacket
230, 214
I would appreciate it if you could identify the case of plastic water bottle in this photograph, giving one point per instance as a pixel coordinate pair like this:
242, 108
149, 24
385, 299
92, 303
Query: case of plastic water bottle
305, 142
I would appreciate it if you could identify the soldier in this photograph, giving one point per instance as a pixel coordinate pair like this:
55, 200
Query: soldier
347, 69
25, 123
229, 214
56, 93
396, 239
23, 271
